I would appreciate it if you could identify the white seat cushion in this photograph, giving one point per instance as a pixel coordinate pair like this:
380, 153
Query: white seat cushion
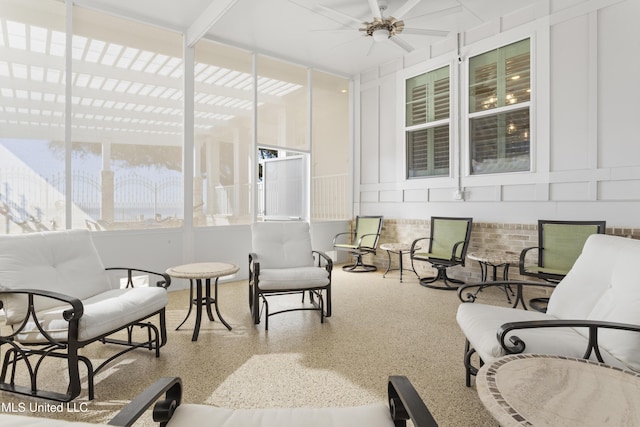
480, 324
293, 278
103, 313
189, 415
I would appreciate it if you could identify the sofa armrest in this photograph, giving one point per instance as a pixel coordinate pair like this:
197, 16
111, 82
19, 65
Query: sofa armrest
518, 345
405, 404
163, 409
165, 282
74, 313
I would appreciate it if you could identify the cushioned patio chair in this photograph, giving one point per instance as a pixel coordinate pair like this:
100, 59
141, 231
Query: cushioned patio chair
592, 313
559, 244
58, 298
283, 263
404, 404
447, 247
362, 241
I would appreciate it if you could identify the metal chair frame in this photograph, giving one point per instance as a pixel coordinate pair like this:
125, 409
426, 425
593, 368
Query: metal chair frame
358, 247
457, 256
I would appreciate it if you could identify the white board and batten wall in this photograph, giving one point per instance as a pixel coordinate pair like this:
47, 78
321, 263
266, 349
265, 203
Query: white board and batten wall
585, 145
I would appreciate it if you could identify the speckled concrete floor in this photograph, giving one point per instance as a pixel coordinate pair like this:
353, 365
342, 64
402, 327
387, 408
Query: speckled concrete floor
379, 327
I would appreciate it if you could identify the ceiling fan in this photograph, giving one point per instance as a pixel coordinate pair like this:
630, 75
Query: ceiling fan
383, 27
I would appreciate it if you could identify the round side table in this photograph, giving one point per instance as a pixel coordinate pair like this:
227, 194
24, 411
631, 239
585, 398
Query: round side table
494, 259
199, 271
399, 249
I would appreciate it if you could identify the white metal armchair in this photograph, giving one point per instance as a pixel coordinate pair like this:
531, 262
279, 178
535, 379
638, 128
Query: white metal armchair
165, 396
282, 263
404, 404
592, 313
58, 298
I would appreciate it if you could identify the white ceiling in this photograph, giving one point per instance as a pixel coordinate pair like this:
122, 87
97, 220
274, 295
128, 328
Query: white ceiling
305, 31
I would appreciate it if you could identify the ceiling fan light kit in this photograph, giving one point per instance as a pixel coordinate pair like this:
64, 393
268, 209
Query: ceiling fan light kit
380, 34
382, 29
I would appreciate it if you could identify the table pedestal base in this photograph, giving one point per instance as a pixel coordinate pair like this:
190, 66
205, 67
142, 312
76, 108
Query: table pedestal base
199, 301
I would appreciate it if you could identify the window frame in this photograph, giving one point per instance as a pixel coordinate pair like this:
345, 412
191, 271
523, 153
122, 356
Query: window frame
498, 111
428, 125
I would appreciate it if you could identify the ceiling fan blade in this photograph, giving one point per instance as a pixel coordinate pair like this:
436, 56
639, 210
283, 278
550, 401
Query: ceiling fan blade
438, 13
336, 13
330, 13
372, 47
403, 44
406, 7
425, 32
375, 9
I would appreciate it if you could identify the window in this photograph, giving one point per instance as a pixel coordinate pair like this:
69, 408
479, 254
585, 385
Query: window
499, 104
223, 141
32, 116
427, 124
330, 147
126, 124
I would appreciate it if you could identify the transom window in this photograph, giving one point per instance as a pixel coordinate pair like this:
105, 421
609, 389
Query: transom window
427, 124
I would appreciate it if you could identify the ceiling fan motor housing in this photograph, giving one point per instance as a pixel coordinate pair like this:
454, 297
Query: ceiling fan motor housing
391, 24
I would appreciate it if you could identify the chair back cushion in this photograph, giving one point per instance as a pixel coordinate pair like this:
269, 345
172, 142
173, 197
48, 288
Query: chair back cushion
445, 234
590, 277
61, 261
563, 244
285, 244
369, 227
620, 303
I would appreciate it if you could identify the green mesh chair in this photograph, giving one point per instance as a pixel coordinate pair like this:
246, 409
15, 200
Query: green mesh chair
447, 247
362, 241
559, 245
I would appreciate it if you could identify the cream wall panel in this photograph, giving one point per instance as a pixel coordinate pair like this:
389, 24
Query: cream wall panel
391, 196
515, 193
369, 135
388, 120
569, 191
619, 190
421, 195
390, 68
441, 194
368, 196
619, 62
570, 95
482, 194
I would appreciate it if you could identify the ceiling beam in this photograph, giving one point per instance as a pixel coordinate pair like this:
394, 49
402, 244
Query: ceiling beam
207, 19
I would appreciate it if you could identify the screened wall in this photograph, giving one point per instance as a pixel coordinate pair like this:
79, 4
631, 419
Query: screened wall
95, 139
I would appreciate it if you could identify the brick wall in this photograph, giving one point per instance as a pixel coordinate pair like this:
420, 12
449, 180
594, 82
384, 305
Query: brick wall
507, 237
